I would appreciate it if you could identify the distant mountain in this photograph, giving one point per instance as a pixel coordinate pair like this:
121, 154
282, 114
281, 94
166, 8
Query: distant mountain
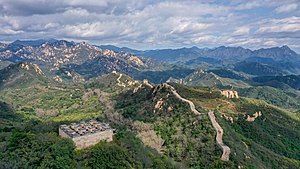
123, 49
209, 79
87, 59
195, 55
22, 75
277, 53
173, 55
288, 99
33, 43
283, 82
260, 60
162, 76
228, 73
200, 60
259, 69
69, 59
106, 64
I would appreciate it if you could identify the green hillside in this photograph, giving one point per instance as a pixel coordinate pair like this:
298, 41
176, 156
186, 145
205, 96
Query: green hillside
21, 75
176, 137
205, 79
268, 142
288, 99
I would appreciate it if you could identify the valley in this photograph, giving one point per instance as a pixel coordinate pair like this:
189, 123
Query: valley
178, 112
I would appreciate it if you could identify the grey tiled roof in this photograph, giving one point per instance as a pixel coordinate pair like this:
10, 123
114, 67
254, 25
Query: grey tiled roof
84, 128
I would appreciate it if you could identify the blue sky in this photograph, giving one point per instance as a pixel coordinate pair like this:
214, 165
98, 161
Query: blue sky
149, 24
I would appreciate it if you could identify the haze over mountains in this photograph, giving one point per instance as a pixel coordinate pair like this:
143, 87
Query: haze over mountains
221, 53
44, 83
82, 61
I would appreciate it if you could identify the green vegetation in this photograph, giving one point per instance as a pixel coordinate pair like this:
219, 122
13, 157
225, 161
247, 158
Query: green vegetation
30, 116
16, 77
256, 68
288, 99
189, 139
268, 142
28, 150
205, 79
110, 156
53, 103
283, 82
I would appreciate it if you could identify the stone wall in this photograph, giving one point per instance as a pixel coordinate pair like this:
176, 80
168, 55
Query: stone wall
89, 139
92, 139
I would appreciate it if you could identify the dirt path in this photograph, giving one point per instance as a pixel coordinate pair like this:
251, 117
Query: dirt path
219, 137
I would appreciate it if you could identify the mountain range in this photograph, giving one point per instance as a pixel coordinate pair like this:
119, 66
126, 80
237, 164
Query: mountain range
166, 113
221, 53
58, 57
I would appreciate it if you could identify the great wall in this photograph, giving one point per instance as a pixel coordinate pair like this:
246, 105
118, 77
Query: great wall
219, 137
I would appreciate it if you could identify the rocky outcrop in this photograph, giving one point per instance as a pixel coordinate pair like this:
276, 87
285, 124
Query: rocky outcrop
255, 115
159, 104
57, 78
230, 94
219, 137
27, 66
24, 66
59, 53
146, 82
137, 88
228, 118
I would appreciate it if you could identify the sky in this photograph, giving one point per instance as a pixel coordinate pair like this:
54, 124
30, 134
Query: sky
152, 24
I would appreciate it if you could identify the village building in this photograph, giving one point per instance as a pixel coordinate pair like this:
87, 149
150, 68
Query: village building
86, 134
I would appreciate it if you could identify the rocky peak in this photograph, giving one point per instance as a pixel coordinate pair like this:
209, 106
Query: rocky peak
28, 66
230, 94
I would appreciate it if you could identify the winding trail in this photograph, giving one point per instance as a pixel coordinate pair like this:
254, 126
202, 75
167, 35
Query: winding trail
219, 137
218, 128
119, 82
192, 106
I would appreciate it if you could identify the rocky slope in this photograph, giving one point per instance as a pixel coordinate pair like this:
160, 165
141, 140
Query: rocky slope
23, 74
56, 54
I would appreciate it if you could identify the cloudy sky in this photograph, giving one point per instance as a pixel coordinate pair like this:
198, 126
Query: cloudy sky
148, 24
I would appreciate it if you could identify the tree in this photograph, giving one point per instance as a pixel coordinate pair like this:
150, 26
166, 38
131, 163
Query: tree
110, 156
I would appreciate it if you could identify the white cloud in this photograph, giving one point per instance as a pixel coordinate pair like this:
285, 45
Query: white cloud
240, 31
286, 8
290, 24
249, 5
8, 31
152, 23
